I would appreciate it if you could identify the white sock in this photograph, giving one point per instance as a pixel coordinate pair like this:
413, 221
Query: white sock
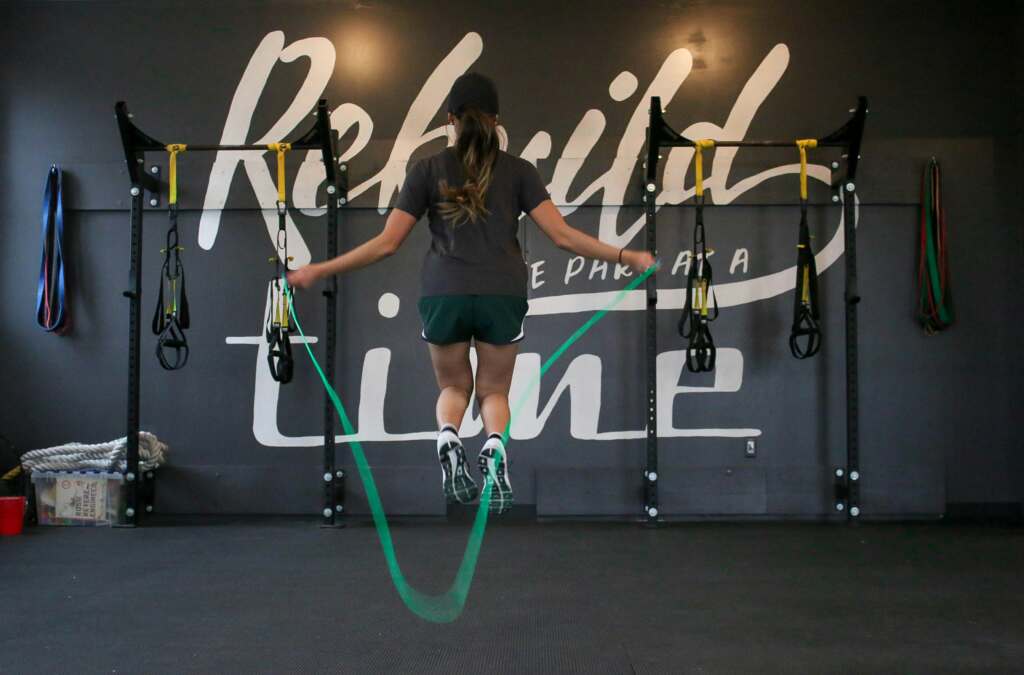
446, 436
494, 441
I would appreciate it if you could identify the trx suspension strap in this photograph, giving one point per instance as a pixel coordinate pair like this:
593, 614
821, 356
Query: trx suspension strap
51, 306
279, 354
805, 336
935, 303
171, 318
693, 324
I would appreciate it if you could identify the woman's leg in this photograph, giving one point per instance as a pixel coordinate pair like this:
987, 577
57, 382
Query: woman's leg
495, 364
455, 380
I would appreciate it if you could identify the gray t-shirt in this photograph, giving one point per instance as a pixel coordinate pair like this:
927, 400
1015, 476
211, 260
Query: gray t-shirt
481, 258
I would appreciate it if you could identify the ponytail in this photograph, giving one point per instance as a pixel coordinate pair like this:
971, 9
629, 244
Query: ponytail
477, 150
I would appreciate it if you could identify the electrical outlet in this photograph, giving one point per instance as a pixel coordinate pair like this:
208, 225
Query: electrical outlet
751, 447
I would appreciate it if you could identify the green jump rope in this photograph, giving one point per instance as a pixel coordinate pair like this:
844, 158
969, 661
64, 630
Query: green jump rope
448, 606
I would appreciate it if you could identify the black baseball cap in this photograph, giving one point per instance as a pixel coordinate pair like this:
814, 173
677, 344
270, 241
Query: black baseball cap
473, 90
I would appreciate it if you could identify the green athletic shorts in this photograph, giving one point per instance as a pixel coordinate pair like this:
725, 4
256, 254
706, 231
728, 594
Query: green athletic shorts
494, 319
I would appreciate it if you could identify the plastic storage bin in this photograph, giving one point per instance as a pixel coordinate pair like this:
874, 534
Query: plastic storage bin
79, 498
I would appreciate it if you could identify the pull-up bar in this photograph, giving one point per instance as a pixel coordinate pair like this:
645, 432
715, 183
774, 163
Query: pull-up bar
848, 137
263, 148
136, 144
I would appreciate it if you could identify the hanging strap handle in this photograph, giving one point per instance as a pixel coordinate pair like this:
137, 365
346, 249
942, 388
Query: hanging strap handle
279, 352
171, 317
282, 206
697, 314
279, 346
805, 334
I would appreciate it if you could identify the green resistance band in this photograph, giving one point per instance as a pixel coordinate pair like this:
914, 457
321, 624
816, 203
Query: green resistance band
932, 229
448, 606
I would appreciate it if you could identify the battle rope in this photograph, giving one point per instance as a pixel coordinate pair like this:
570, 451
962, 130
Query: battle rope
805, 335
51, 304
171, 318
279, 353
693, 324
935, 303
109, 456
448, 606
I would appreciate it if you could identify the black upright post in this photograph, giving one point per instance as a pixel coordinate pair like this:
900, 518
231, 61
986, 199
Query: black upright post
847, 480
651, 346
323, 137
134, 143
852, 298
333, 477
134, 295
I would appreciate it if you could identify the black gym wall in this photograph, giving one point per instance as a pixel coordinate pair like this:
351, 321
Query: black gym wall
944, 80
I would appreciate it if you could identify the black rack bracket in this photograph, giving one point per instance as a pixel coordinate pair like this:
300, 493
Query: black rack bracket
146, 185
848, 138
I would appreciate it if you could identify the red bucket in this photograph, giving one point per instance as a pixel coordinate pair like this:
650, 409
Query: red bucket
12, 515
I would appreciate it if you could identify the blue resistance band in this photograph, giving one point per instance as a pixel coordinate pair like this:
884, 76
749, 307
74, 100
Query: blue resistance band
51, 314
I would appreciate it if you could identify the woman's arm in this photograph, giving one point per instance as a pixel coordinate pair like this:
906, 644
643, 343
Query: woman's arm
396, 229
569, 238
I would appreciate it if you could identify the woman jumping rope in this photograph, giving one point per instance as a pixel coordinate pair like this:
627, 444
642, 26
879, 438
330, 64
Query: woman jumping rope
473, 285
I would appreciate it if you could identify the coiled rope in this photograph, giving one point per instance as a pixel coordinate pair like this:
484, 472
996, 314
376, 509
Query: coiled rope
109, 456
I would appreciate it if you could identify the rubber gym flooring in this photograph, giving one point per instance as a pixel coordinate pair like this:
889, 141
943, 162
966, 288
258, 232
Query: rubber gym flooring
284, 596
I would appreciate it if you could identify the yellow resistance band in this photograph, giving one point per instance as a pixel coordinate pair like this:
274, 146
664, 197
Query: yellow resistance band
280, 149
698, 147
802, 145
174, 149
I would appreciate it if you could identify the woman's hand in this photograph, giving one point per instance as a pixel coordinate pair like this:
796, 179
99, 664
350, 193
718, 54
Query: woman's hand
568, 238
304, 277
641, 261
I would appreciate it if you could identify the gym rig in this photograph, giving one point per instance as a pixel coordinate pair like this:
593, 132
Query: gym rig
145, 185
847, 138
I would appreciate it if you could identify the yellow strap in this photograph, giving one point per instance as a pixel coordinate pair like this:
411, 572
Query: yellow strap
279, 306
803, 144
174, 149
805, 297
699, 146
280, 149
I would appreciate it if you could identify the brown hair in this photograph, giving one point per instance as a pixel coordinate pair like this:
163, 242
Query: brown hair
476, 149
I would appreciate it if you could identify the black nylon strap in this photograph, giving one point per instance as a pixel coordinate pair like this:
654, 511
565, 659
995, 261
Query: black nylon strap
279, 345
805, 334
171, 320
693, 323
